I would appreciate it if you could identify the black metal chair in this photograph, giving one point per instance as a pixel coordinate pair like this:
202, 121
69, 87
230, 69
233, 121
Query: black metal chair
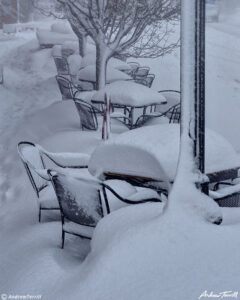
134, 66
88, 114
84, 202
67, 52
61, 65
174, 114
141, 73
225, 194
33, 161
147, 81
67, 89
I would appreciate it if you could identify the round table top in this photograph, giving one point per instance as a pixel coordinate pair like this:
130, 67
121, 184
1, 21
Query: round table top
75, 141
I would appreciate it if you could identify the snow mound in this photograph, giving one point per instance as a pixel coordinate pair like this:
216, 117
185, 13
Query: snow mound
61, 27
155, 152
89, 73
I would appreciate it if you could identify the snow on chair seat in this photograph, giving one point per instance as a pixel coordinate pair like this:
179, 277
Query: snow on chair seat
127, 190
228, 196
84, 202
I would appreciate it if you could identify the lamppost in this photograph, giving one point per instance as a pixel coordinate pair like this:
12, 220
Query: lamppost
193, 77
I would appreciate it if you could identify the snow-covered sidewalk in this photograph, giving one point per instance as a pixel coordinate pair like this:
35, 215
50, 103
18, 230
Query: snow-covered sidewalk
136, 254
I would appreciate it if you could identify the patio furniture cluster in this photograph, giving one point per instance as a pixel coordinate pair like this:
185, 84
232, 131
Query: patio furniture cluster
140, 74
85, 188
128, 85
81, 200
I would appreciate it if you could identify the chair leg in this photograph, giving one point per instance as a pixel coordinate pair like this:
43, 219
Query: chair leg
39, 215
63, 238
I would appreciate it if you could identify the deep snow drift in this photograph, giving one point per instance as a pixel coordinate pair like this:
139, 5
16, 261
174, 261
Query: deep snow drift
136, 253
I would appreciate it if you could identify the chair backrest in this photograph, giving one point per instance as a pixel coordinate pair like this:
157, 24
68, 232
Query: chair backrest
79, 199
174, 114
32, 159
62, 65
66, 87
67, 52
134, 66
87, 114
141, 72
149, 79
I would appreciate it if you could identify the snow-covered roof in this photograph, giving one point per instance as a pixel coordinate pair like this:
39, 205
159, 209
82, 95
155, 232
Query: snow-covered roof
153, 152
129, 93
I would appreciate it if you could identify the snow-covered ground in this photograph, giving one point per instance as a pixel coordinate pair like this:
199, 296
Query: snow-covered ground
136, 253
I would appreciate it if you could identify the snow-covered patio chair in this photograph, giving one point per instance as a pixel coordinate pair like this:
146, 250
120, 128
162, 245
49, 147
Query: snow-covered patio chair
226, 193
141, 73
91, 116
84, 202
172, 115
67, 89
167, 113
35, 158
33, 163
61, 65
147, 81
134, 66
87, 114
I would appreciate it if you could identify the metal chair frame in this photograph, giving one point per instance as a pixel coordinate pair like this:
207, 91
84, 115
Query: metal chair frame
65, 83
134, 66
61, 65
232, 200
92, 114
141, 73
29, 169
101, 189
173, 114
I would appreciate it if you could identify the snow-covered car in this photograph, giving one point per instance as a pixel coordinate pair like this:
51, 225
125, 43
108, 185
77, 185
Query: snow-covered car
212, 10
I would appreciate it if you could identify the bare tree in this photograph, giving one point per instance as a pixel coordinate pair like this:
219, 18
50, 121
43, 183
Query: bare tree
55, 9
138, 28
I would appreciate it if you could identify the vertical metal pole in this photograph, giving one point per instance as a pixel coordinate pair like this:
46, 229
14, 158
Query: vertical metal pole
18, 11
199, 146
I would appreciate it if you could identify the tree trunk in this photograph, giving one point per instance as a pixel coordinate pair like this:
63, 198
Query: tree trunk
82, 39
101, 66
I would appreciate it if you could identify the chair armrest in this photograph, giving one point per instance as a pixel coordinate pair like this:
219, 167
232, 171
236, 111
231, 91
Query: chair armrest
129, 201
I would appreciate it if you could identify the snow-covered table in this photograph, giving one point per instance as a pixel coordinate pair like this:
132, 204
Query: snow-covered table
152, 152
72, 141
130, 96
89, 74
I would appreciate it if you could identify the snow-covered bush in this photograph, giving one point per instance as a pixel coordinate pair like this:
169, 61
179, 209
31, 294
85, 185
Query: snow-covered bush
61, 27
